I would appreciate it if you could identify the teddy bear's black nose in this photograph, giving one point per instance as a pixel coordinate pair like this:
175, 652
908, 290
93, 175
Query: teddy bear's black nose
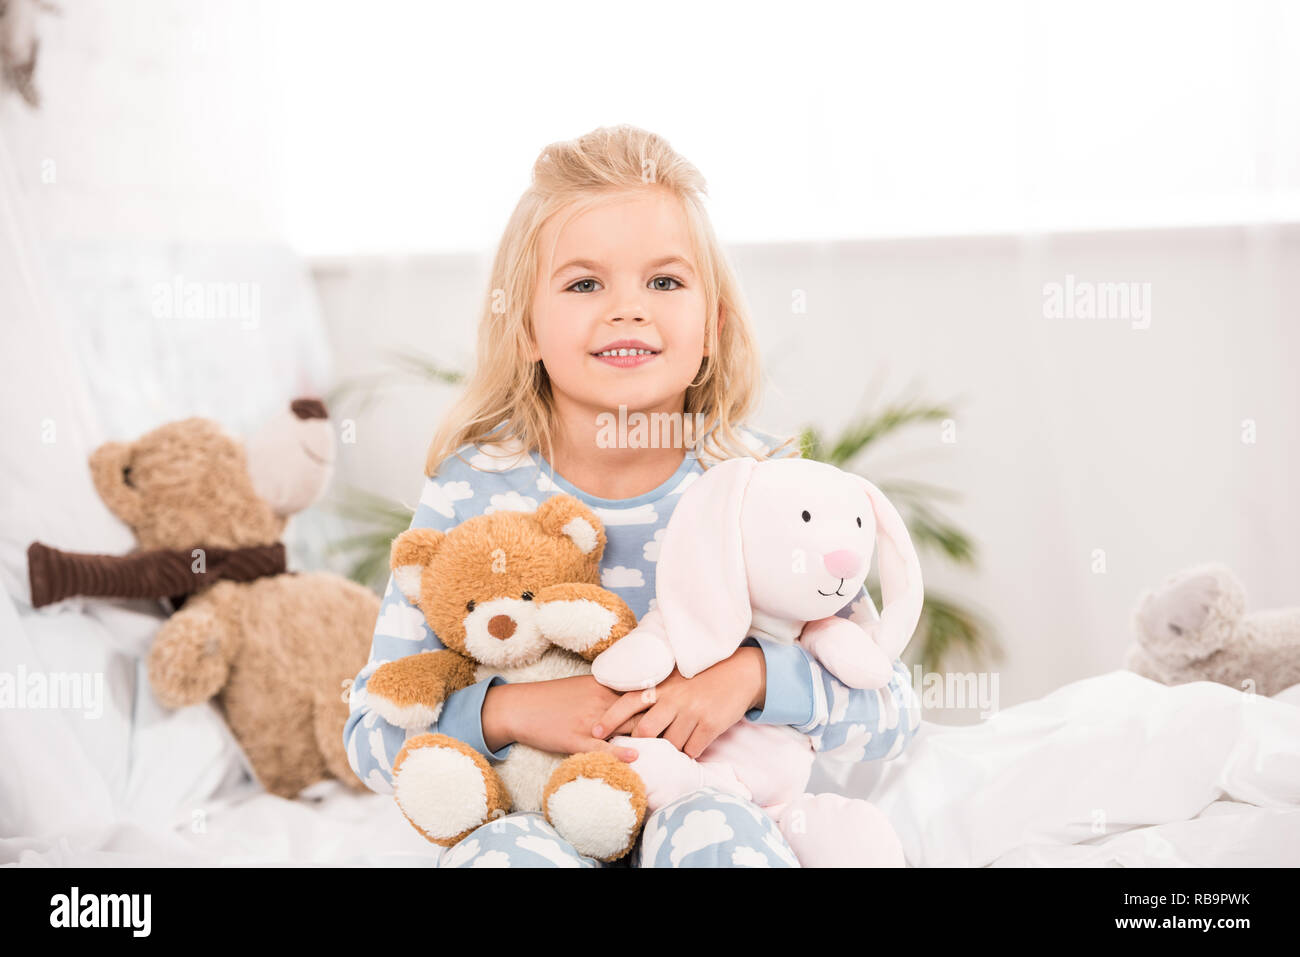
501, 627
309, 409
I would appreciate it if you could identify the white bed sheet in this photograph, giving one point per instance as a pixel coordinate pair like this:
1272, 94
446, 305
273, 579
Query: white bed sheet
1115, 770
244, 827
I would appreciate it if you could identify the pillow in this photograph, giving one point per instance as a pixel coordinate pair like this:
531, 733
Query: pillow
63, 765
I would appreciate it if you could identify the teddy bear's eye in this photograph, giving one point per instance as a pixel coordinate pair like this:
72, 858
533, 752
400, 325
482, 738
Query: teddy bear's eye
859, 521
527, 596
806, 516
469, 606
126, 476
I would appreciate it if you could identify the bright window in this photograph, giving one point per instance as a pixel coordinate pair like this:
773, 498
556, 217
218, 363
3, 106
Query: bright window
412, 127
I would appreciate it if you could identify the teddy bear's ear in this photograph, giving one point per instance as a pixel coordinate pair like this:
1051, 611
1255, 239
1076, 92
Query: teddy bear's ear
411, 552
110, 470
564, 515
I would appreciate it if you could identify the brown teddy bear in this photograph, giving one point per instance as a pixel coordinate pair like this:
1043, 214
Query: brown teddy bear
1194, 627
514, 594
273, 647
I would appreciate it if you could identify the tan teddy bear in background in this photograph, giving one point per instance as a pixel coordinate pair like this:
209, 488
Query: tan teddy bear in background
272, 647
1194, 627
514, 594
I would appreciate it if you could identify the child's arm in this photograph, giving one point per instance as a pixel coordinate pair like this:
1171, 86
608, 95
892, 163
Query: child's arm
401, 629
850, 724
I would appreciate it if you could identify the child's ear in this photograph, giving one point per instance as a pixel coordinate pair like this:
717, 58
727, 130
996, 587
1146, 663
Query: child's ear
533, 353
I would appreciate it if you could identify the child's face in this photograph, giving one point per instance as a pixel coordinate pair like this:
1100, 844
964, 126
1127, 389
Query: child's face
605, 283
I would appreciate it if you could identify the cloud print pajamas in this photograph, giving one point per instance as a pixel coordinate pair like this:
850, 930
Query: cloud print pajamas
707, 828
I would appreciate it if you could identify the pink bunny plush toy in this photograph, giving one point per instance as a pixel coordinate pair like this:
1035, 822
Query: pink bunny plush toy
773, 549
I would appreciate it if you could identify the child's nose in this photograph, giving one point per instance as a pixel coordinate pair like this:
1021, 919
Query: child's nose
844, 563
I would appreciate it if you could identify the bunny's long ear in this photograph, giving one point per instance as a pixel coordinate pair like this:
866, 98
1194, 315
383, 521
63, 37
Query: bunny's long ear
901, 592
701, 586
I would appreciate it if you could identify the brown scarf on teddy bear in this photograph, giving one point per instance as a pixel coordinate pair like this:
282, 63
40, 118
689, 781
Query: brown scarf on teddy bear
158, 573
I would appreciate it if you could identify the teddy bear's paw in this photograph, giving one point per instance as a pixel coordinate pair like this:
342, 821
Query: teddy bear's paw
583, 618
597, 803
445, 788
187, 663
409, 692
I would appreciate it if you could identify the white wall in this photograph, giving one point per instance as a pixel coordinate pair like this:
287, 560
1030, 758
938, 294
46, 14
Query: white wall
1072, 435
158, 121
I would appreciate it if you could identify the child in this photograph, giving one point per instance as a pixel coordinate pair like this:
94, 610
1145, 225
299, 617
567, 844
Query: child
611, 296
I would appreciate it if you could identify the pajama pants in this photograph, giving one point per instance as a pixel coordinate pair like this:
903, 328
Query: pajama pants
707, 828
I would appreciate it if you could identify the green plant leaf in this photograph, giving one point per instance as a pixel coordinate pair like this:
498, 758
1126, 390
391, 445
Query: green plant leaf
908, 489
946, 627
810, 444
368, 386
861, 434
424, 367
930, 531
378, 521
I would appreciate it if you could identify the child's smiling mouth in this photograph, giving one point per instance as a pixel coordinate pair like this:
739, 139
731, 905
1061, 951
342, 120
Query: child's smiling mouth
626, 353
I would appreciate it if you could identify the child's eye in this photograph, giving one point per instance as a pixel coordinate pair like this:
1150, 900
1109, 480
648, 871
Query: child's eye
658, 279
582, 282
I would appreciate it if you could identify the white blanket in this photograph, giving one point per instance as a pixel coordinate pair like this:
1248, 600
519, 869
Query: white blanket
1111, 770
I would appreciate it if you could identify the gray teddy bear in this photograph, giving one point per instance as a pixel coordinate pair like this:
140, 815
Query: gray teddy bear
1194, 628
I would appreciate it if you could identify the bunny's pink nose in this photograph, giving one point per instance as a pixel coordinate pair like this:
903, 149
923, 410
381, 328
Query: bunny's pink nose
845, 563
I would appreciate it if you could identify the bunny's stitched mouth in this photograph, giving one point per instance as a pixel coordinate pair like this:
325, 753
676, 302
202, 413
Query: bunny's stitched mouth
835, 592
314, 457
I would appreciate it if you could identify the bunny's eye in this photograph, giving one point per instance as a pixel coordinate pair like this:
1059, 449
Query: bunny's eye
859, 521
469, 606
806, 517
527, 596
126, 476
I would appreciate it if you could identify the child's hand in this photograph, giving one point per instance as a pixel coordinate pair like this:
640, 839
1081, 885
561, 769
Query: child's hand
555, 715
692, 712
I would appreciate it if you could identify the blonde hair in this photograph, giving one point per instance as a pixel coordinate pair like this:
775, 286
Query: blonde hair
508, 397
